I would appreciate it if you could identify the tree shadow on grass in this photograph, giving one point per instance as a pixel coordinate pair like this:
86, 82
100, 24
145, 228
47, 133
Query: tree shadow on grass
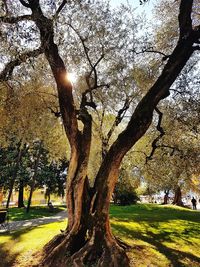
18, 214
6, 258
176, 257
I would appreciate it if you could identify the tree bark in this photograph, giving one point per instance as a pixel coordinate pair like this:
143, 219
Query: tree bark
178, 197
1, 195
21, 194
14, 176
166, 197
36, 164
48, 199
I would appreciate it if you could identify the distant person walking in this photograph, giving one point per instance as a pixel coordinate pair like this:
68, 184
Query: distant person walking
194, 203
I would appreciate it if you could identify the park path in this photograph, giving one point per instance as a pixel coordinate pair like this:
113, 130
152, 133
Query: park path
18, 225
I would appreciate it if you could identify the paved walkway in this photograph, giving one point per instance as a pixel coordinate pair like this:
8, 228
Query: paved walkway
17, 225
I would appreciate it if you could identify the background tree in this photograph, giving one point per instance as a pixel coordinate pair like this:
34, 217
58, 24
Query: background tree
124, 192
54, 178
21, 127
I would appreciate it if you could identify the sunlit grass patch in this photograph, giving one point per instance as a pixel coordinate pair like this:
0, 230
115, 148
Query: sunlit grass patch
160, 235
22, 244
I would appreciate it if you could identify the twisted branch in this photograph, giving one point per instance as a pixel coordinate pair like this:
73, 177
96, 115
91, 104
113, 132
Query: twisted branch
12, 20
6, 74
60, 8
162, 132
93, 70
151, 50
24, 3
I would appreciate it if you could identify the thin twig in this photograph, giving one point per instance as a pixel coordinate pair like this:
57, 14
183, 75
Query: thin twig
162, 132
12, 20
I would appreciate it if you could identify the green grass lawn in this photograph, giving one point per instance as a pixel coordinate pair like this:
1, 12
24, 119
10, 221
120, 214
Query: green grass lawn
159, 235
17, 248
18, 214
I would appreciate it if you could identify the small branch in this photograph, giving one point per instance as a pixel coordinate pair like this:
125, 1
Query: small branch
91, 103
60, 8
6, 74
179, 92
93, 69
196, 48
162, 132
150, 50
83, 43
46, 93
56, 113
13, 20
120, 115
6, 7
24, 3
143, 1
159, 127
171, 147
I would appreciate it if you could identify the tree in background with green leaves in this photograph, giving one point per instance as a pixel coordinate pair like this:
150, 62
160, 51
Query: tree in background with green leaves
125, 189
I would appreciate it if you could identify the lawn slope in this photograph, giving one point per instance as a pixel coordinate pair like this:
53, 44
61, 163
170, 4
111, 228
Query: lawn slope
162, 236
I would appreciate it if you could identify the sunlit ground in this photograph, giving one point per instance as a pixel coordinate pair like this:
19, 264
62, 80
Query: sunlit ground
16, 248
160, 236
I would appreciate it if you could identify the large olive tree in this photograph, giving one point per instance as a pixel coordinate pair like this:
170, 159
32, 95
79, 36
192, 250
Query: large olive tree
88, 237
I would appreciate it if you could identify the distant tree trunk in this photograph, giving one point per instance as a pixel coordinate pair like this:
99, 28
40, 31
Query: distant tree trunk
21, 194
14, 176
149, 193
30, 196
166, 197
48, 199
178, 197
114, 197
1, 195
36, 164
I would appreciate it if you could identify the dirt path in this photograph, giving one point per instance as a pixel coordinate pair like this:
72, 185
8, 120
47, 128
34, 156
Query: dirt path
17, 225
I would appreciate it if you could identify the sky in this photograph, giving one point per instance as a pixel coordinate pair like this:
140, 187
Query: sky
136, 4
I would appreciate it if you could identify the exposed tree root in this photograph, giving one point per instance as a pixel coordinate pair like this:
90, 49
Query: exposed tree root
107, 252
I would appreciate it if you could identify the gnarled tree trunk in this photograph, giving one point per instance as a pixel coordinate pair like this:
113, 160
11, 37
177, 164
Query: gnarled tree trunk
178, 197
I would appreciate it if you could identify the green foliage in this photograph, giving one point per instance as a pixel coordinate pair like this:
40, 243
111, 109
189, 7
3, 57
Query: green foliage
54, 177
125, 197
8, 157
124, 193
51, 174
